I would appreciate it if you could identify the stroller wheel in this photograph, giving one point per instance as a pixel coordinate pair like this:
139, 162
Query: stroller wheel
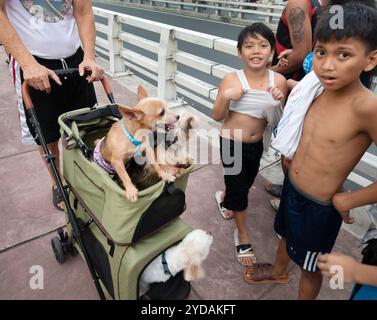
57, 249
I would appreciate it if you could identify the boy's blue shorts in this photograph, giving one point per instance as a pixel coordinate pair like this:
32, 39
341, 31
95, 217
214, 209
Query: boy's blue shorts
310, 226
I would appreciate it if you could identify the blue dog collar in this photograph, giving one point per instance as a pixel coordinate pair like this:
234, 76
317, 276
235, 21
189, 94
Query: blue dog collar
130, 137
165, 264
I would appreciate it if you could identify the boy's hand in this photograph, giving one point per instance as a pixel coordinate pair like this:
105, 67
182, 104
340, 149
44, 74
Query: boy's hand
283, 57
234, 94
339, 201
348, 264
277, 94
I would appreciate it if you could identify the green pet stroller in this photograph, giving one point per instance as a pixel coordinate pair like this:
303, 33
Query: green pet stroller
117, 239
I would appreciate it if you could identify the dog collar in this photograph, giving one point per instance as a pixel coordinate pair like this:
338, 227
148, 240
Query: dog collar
165, 264
130, 137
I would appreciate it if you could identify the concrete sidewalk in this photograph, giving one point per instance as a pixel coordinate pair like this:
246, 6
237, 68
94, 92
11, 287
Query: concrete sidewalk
29, 220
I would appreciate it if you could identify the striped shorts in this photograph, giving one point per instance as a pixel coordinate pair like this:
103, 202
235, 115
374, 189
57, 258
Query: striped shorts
310, 226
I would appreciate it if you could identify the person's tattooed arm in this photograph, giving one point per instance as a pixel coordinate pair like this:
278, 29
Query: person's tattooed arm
296, 19
300, 33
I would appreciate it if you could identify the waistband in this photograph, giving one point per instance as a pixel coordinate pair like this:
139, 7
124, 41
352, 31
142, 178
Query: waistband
245, 144
71, 60
327, 203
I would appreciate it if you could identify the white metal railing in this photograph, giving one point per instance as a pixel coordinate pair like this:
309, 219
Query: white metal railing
268, 11
164, 69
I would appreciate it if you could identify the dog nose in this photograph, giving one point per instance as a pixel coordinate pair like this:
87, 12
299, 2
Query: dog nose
177, 117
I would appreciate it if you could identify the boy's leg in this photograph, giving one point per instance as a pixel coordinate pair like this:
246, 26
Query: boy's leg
280, 266
240, 218
310, 284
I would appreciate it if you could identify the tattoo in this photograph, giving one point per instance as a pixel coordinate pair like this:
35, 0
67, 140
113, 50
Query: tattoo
297, 19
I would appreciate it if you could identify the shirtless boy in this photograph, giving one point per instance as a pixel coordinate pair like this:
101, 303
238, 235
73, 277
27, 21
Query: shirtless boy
338, 128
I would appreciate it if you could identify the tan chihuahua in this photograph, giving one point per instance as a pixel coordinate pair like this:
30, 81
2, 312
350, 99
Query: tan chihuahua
129, 136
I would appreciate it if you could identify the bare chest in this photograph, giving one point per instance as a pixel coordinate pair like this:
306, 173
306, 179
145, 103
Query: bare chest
329, 123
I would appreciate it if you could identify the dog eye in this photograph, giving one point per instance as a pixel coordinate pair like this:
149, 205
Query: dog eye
162, 113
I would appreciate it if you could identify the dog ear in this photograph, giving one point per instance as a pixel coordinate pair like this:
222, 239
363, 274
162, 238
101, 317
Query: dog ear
141, 92
131, 113
193, 272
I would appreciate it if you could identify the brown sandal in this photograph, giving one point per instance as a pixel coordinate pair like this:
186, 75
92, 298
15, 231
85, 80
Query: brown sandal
261, 273
273, 189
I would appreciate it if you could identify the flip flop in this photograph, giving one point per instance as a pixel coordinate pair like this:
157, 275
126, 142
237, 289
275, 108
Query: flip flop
243, 250
220, 206
275, 203
57, 198
261, 273
274, 189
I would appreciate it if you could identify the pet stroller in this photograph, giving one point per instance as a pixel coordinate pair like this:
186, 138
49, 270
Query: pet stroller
116, 238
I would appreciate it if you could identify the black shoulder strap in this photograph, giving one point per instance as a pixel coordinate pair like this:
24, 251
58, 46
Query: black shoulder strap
110, 110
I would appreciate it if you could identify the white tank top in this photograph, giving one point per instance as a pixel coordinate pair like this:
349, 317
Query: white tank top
258, 103
47, 28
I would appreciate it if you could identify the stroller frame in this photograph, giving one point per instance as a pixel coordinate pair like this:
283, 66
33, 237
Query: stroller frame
50, 160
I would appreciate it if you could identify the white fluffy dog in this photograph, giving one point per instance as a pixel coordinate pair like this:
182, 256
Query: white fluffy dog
186, 255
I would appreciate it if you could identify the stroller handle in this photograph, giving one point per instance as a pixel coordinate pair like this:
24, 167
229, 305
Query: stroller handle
62, 73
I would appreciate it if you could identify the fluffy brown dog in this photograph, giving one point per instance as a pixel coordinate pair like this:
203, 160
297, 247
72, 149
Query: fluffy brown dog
123, 139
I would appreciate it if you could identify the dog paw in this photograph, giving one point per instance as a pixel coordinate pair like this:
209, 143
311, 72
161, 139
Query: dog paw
132, 194
168, 177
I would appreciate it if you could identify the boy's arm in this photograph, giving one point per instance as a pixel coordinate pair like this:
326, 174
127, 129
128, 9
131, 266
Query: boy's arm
300, 33
352, 271
344, 202
35, 74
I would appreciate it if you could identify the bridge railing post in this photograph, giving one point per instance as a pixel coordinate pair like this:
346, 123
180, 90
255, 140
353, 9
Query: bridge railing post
268, 19
167, 66
116, 62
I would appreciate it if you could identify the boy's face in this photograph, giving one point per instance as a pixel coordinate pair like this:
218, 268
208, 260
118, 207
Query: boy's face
256, 53
340, 63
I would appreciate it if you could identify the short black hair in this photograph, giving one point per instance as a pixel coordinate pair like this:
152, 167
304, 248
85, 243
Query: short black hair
360, 21
254, 30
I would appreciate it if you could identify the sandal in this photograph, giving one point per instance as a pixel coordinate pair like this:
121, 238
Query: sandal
57, 198
274, 189
275, 203
261, 273
244, 251
220, 206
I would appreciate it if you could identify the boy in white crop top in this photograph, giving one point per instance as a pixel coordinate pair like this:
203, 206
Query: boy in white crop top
247, 101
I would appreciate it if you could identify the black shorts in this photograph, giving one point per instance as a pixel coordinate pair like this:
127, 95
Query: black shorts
310, 226
75, 93
241, 164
